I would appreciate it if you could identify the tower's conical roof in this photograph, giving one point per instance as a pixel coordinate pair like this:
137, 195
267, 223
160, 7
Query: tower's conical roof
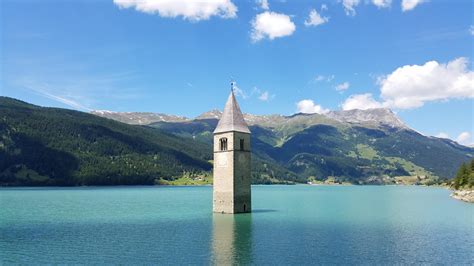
232, 118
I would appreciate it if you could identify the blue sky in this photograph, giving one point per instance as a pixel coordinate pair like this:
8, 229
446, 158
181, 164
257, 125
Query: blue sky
414, 57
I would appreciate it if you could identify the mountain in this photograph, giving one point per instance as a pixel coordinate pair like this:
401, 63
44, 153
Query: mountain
52, 146
213, 114
357, 146
376, 117
139, 118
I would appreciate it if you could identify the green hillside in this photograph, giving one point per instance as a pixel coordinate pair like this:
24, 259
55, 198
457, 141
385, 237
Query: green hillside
318, 148
51, 146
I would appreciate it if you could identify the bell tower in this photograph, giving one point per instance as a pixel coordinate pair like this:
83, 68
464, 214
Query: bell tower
231, 189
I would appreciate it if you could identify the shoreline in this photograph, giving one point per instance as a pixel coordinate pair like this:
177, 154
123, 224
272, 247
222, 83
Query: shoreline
463, 195
210, 185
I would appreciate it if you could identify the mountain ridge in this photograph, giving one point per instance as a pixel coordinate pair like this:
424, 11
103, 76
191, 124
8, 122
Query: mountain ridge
374, 116
139, 118
39, 142
54, 146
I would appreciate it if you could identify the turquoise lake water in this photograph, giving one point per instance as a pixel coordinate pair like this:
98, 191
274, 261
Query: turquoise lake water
290, 225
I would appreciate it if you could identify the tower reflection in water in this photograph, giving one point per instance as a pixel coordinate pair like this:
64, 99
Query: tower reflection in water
232, 239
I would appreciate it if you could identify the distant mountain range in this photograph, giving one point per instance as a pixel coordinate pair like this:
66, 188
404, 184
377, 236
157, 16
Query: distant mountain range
52, 146
139, 118
357, 146
379, 116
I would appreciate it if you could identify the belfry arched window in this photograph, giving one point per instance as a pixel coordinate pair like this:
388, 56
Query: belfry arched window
223, 144
241, 144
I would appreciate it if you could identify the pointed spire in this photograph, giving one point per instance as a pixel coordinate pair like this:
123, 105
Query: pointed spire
232, 118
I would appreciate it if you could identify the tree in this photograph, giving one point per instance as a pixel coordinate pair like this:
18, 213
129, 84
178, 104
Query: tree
465, 176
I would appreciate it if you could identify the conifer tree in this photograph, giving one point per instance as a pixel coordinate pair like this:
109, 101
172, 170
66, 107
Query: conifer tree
465, 176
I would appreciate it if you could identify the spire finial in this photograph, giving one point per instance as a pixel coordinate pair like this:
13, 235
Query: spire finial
232, 84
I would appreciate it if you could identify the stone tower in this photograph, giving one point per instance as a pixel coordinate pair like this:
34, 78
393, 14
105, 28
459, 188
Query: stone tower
232, 161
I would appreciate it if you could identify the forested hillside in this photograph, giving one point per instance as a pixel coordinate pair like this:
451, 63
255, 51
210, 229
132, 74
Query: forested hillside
317, 147
51, 146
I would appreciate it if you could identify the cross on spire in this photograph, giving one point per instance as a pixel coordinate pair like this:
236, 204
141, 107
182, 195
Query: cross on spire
232, 84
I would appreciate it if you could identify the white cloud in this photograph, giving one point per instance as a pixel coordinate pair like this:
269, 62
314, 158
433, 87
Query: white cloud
442, 135
349, 6
361, 101
319, 78
239, 92
188, 9
263, 4
324, 7
411, 86
309, 107
324, 78
343, 86
408, 5
271, 25
265, 96
464, 138
315, 19
255, 92
382, 3
471, 30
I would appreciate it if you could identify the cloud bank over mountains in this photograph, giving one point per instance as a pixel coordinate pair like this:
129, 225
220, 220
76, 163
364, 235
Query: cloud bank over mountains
407, 87
360, 101
464, 138
308, 106
411, 86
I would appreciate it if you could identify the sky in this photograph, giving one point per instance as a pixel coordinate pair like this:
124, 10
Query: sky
179, 56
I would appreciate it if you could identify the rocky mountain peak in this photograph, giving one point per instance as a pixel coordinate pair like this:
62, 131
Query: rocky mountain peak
378, 116
213, 114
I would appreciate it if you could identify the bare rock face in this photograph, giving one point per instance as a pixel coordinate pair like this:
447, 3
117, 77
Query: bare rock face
376, 116
213, 114
464, 195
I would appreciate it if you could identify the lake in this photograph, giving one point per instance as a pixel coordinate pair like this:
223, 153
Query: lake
299, 224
